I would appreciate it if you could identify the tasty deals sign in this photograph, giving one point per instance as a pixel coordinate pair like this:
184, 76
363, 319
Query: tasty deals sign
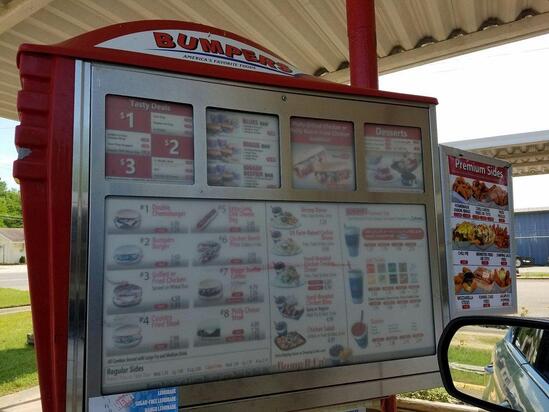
202, 47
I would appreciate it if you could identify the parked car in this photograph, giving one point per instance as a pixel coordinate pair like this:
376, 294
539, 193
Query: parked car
524, 261
517, 379
518, 376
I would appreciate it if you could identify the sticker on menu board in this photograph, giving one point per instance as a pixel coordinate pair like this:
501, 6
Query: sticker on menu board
393, 158
482, 269
165, 399
202, 290
243, 149
322, 154
149, 140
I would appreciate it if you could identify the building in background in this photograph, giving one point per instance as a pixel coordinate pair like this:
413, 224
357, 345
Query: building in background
532, 234
12, 246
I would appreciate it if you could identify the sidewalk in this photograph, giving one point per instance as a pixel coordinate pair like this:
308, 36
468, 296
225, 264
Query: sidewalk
15, 309
24, 401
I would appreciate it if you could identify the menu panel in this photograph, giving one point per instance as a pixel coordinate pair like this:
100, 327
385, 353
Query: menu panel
148, 140
199, 290
393, 158
243, 149
482, 269
322, 154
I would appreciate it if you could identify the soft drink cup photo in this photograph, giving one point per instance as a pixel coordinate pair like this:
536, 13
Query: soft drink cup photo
356, 284
352, 235
360, 333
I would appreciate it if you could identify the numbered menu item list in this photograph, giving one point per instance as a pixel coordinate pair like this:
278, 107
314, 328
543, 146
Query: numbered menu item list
148, 140
482, 269
198, 290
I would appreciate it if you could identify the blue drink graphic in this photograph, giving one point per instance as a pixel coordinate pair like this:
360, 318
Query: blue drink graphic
352, 234
356, 284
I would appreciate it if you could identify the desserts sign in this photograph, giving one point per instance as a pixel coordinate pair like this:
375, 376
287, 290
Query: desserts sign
479, 232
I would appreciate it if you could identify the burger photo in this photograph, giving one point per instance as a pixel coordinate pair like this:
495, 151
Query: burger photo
210, 289
126, 219
126, 295
128, 255
127, 336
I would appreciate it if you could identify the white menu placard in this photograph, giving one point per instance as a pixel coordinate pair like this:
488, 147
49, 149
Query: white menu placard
243, 149
200, 290
479, 230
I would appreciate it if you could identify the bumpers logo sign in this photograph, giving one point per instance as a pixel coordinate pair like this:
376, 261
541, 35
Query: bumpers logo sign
202, 47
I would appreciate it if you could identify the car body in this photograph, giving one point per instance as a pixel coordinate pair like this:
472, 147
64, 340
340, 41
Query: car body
524, 261
518, 376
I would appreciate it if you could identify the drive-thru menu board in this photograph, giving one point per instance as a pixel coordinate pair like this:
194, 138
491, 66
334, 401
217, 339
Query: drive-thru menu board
198, 290
479, 233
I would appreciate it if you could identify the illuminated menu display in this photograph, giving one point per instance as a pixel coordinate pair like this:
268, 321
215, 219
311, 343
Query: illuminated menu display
393, 158
200, 290
242, 149
149, 140
322, 154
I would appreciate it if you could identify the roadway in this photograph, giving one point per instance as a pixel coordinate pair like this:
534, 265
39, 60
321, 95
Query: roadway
533, 294
14, 276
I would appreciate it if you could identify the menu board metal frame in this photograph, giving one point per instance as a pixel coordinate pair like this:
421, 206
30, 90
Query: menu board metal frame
296, 389
445, 152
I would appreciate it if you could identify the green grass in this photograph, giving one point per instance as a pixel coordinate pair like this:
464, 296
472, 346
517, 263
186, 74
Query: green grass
526, 275
469, 356
467, 377
13, 297
17, 359
432, 395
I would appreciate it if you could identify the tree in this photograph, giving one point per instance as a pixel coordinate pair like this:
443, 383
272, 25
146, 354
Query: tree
10, 207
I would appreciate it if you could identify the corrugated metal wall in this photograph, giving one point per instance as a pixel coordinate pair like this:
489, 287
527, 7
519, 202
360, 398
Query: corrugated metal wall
532, 235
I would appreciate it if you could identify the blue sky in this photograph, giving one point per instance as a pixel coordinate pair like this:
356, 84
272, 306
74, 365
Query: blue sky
493, 92
7, 150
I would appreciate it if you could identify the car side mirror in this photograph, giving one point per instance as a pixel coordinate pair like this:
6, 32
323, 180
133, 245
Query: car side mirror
496, 363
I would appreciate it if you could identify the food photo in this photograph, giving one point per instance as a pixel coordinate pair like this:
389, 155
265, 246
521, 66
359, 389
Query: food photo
282, 219
323, 167
127, 219
286, 276
394, 170
477, 192
482, 280
289, 307
127, 255
126, 295
467, 235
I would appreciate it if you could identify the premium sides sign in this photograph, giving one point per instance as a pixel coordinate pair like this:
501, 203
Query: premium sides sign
479, 228
202, 47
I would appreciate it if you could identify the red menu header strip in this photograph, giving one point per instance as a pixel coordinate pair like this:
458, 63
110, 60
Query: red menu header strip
460, 166
392, 132
393, 234
314, 131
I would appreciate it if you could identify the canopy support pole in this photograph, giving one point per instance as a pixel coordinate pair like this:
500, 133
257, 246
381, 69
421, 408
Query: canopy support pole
361, 31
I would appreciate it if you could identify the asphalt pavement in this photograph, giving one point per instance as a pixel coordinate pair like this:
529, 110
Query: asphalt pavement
14, 276
533, 294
